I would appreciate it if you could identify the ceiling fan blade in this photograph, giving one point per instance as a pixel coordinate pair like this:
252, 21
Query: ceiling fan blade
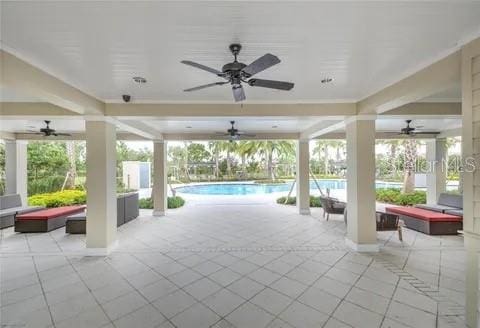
261, 64
426, 132
33, 133
202, 67
280, 85
62, 134
205, 86
245, 134
238, 93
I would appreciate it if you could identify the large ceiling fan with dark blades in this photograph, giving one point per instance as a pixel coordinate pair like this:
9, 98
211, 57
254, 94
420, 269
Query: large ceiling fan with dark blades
411, 131
236, 72
47, 131
233, 133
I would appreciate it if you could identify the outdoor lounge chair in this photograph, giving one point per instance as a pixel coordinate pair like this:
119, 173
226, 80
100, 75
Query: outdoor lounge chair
332, 206
427, 221
45, 220
385, 222
389, 222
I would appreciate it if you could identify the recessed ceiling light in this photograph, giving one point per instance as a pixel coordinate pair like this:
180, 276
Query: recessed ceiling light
140, 79
274, 126
327, 80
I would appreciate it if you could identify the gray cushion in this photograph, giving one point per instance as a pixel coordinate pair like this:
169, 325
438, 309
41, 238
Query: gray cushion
78, 216
436, 207
9, 201
452, 200
455, 212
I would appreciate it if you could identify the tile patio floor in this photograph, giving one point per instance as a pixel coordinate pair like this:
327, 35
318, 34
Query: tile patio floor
243, 266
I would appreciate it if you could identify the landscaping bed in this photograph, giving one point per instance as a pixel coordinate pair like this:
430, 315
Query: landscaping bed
314, 201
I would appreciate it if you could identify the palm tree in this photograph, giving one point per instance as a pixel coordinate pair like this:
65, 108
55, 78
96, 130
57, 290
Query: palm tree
215, 149
229, 147
409, 165
322, 148
269, 149
72, 164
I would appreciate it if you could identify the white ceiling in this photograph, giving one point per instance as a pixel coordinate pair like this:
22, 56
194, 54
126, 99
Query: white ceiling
99, 46
221, 124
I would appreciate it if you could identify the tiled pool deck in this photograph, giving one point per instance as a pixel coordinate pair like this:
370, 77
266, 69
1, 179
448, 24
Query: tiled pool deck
244, 262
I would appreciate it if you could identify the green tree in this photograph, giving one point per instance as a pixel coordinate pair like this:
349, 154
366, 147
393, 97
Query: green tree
197, 153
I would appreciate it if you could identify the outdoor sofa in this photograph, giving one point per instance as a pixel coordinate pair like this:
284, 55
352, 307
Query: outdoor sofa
127, 210
447, 203
45, 220
10, 206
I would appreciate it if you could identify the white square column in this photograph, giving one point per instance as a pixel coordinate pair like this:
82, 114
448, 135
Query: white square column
159, 177
437, 170
361, 222
101, 186
16, 168
303, 173
470, 69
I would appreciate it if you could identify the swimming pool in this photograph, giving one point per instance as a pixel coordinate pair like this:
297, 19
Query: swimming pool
253, 188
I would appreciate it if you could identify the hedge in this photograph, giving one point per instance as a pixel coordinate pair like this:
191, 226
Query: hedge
268, 181
59, 198
172, 202
395, 196
314, 201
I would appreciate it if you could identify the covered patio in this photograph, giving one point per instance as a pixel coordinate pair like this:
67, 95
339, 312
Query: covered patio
240, 264
233, 266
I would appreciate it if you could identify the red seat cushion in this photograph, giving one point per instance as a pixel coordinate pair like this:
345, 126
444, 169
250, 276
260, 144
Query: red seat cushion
51, 213
422, 214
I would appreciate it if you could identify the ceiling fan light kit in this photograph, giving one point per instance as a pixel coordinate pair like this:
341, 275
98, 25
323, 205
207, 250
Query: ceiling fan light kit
236, 73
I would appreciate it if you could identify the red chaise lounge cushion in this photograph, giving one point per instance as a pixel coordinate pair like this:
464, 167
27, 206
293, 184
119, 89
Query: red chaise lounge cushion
52, 213
422, 214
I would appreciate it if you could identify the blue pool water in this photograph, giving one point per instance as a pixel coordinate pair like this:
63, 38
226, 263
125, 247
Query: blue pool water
251, 188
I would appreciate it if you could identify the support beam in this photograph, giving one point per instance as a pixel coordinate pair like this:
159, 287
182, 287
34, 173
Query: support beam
151, 111
322, 128
426, 110
471, 173
34, 110
435, 78
437, 170
361, 223
16, 168
303, 177
20, 75
159, 178
101, 186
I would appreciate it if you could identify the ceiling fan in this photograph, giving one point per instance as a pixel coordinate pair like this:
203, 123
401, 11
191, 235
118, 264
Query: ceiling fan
48, 132
413, 131
233, 133
236, 72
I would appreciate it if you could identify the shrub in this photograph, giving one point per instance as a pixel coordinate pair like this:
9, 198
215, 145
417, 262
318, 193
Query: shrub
59, 198
269, 181
172, 202
175, 202
395, 196
314, 201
